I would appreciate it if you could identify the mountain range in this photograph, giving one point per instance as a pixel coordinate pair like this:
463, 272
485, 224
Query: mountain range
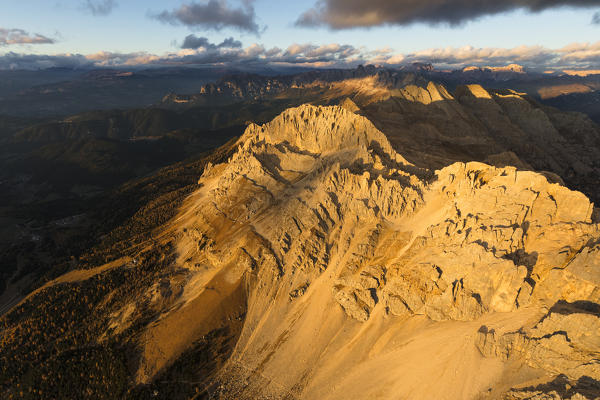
339, 234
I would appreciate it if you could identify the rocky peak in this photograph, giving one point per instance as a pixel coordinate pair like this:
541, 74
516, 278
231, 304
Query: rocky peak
349, 105
321, 130
473, 90
317, 212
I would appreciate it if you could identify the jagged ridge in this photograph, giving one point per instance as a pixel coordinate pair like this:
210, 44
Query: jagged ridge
317, 211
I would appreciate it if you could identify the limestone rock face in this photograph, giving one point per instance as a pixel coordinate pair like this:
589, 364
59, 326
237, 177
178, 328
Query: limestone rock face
346, 250
315, 262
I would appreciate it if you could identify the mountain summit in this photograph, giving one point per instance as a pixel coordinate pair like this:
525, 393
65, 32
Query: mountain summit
316, 262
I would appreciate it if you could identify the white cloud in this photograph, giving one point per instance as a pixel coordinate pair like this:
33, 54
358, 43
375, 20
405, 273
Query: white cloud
19, 36
573, 56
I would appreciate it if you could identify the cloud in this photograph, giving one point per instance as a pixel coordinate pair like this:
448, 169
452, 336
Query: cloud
99, 7
231, 43
330, 50
575, 55
230, 53
226, 53
531, 55
195, 42
110, 59
580, 53
19, 36
344, 14
333, 55
13, 60
213, 14
596, 18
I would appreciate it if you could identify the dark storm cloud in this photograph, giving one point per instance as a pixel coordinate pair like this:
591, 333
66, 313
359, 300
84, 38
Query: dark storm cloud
213, 14
596, 18
19, 36
99, 7
231, 43
195, 42
344, 14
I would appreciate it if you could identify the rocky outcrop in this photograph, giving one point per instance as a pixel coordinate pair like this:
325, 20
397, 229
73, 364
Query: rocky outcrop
332, 230
561, 342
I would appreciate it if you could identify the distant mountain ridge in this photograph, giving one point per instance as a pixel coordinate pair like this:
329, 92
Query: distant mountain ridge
435, 123
244, 87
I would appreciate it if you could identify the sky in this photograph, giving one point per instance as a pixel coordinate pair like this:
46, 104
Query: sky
540, 34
